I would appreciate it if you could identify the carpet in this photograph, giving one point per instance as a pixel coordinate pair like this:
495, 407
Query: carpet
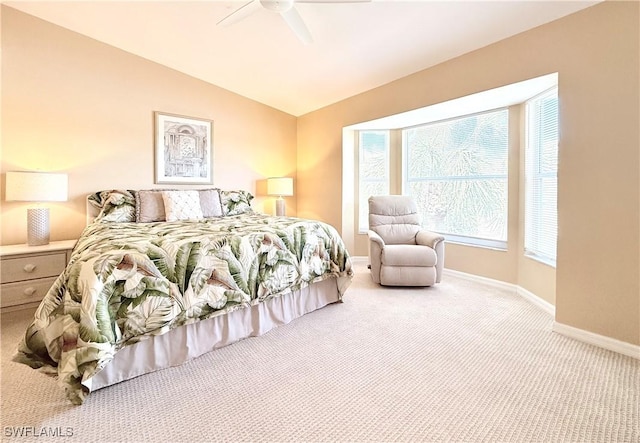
461, 361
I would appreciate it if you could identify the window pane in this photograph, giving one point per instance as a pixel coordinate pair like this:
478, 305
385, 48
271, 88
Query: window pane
457, 172
373, 178
473, 208
374, 158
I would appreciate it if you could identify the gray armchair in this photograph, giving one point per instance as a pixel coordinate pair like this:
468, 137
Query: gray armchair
401, 253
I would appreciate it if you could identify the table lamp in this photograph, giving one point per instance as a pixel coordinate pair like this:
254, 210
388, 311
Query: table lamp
280, 187
36, 187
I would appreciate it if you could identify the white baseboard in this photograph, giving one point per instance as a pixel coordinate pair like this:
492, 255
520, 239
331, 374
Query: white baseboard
608, 343
534, 299
478, 278
359, 259
522, 292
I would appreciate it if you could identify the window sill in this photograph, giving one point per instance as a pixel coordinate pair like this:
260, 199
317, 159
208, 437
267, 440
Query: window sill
496, 245
543, 260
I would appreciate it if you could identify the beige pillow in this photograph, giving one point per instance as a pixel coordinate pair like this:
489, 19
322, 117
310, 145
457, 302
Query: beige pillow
149, 206
210, 203
182, 205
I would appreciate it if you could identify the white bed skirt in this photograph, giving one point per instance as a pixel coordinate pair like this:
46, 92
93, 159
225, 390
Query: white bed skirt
187, 342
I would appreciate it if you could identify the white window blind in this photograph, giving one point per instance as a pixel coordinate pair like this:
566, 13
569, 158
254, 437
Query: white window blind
373, 171
457, 172
541, 177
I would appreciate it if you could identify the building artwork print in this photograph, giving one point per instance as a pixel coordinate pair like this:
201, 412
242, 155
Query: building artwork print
183, 149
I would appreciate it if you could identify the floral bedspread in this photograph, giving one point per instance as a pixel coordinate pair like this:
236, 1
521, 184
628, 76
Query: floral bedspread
128, 281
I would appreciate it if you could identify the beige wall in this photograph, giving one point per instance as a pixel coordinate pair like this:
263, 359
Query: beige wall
72, 104
596, 53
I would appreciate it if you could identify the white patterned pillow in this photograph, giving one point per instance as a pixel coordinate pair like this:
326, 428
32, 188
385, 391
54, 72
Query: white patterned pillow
182, 205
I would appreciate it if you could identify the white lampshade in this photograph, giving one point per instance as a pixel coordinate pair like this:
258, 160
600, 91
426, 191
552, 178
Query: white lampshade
36, 187
280, 186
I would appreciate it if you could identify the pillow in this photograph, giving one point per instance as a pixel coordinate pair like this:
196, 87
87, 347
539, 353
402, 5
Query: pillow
115, 205
149, 206
182, 205
210, 203
236, 202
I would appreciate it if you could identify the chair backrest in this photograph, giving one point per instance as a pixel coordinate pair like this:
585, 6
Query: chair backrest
395, 218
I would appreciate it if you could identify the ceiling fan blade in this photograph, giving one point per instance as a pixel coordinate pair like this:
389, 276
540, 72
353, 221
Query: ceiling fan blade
297, 25
242, 12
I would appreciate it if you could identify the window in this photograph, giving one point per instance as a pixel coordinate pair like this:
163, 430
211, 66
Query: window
373, 171
453, 158
541, 177
457, 172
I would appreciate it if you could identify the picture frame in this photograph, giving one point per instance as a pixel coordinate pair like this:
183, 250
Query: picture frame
183, 149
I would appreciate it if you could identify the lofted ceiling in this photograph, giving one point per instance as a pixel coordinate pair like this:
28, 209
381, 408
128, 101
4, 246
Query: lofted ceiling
356, 46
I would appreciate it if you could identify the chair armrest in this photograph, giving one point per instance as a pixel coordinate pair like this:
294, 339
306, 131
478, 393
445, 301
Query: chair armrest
376, 245
428, 238
435, 241
374, 237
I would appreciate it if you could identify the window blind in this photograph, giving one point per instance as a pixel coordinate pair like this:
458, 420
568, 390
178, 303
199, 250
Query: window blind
541, 177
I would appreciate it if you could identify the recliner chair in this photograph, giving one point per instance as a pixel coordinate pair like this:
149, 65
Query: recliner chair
401, 252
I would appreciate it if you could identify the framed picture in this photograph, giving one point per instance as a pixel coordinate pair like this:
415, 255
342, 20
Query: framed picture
183, 149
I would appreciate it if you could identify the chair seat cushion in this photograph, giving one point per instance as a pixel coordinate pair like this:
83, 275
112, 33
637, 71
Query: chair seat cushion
408, 255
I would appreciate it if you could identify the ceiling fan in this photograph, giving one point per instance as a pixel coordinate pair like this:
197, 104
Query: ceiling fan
286, 8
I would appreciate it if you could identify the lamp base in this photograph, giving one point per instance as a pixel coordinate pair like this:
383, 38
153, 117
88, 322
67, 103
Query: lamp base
280, 207
37, 226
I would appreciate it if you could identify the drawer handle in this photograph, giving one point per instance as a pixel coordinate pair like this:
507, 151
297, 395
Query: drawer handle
30, 291
30, 267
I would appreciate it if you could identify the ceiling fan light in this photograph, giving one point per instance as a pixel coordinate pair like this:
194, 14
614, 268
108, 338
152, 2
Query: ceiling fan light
277, 5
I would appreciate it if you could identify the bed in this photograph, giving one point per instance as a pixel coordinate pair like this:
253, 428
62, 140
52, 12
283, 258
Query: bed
163, 276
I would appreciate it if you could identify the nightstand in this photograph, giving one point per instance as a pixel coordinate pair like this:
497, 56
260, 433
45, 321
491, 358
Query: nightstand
27, 272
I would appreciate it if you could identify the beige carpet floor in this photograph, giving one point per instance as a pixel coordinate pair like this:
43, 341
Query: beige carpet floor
461, 362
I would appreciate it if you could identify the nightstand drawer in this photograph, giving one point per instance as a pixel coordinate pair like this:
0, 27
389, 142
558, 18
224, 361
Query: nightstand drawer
34, 267
25, 292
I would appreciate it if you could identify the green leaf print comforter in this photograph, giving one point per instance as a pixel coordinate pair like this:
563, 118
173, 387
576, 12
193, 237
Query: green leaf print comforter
128, 281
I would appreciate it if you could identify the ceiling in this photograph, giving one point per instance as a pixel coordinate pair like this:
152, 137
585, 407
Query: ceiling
356, 46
